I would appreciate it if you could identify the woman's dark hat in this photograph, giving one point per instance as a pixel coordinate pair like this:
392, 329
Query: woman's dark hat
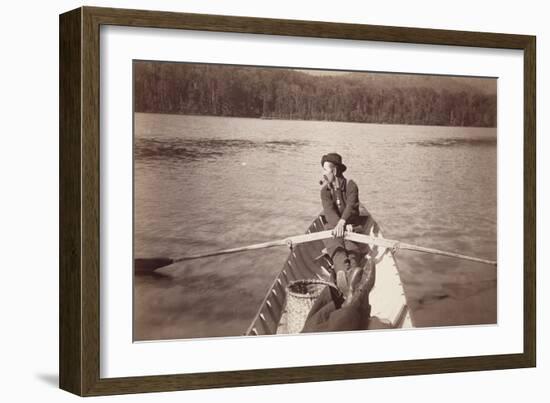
335, 158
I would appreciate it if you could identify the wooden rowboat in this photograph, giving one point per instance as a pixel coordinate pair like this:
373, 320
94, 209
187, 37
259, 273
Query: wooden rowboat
307, 261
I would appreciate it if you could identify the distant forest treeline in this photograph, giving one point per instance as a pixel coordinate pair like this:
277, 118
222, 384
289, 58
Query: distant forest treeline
258, 92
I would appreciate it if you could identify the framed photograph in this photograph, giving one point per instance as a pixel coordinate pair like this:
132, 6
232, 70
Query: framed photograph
249, 201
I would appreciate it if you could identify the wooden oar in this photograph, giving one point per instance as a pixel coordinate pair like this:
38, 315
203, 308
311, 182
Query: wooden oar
389, 243
144, 265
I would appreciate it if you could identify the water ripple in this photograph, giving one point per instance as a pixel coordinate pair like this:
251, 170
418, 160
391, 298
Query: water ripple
190, 150
454, 142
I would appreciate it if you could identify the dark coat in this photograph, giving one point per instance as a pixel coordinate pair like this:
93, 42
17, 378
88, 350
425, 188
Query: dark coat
350, 212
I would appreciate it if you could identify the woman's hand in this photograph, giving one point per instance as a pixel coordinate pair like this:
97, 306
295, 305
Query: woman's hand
340, 228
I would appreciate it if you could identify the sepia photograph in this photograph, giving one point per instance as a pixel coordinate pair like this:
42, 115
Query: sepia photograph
276, 201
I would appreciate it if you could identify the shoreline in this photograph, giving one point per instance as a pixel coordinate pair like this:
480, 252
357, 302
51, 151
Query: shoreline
314, 121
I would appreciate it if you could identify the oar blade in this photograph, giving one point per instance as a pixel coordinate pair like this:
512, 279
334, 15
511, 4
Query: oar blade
148, 265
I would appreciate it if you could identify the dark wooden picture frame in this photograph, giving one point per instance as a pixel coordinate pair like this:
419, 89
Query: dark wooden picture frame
79, 346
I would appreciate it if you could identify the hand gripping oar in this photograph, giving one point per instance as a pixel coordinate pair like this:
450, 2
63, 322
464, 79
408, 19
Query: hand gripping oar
144, 265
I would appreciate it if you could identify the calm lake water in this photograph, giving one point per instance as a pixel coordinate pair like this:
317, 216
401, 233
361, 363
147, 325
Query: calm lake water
208, 183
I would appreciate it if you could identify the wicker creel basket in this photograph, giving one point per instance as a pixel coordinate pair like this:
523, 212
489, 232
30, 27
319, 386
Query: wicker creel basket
300, 297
